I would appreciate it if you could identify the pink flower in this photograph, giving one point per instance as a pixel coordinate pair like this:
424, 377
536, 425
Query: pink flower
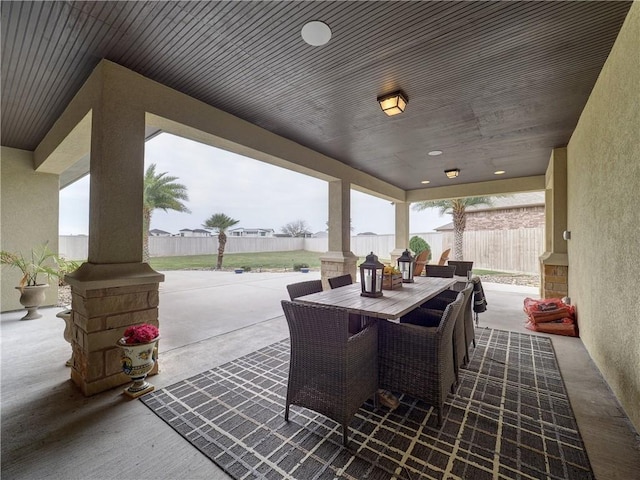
140, 334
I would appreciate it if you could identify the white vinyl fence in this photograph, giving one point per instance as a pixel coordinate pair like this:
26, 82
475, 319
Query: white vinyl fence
504, 250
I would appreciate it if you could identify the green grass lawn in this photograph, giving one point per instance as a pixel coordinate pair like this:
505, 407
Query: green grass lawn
260, 261
255, 261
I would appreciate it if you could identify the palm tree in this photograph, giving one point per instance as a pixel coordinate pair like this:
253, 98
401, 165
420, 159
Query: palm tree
219, 222
161, 192
457, 208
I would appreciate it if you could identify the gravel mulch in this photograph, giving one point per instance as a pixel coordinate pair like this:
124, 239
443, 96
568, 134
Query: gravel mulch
522, 280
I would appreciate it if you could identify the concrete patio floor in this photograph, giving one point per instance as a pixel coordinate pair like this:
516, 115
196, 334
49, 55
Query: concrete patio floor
51, 431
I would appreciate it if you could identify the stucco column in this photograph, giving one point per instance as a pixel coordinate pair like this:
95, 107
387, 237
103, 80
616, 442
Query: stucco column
114, 289
554, 262
402, 230
339, 260
117, 180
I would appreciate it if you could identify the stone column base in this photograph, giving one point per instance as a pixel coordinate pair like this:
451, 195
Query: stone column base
106, 299
395, 255
554, 276
333, 264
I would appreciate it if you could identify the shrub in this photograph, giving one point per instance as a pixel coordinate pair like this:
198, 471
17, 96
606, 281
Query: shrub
418, 245
298, 266
246, 268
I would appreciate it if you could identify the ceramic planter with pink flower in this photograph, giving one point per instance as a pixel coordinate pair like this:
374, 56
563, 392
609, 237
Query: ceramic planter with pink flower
138, 345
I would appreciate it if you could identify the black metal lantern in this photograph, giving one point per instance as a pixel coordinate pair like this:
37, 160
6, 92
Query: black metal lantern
371, 276
405, 265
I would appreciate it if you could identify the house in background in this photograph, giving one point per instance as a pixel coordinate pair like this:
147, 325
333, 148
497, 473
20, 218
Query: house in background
158, 233
522, 210
251, 232
198, 232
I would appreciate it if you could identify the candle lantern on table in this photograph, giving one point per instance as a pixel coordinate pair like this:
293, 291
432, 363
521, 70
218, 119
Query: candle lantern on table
371, 276
405, 265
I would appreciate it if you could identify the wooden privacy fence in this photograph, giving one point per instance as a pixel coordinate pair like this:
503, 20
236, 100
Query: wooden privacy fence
516, 250
504, 250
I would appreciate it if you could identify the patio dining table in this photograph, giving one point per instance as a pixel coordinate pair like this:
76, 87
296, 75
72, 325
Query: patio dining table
391, 305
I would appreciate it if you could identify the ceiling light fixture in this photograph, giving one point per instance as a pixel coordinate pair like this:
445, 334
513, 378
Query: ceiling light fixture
499, 172
435, 153
393, 103
453, 173
316, 33
425, 181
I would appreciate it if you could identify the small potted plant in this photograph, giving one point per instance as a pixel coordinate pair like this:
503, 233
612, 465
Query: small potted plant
41, 261
138, 344
301, 267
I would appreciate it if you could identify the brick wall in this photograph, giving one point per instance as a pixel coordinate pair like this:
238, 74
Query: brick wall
507, 219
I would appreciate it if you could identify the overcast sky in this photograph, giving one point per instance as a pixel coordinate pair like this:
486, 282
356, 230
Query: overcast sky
257, 194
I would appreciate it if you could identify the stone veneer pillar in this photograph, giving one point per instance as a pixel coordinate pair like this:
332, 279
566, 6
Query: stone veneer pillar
554, 262
113, 289
554, 282
126, 294
339, 260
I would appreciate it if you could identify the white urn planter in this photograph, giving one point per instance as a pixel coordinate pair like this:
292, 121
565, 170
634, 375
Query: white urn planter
31, 298
67, 334
138, 360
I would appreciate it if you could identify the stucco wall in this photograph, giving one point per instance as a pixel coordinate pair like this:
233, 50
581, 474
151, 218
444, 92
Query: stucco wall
29, 216
604, 219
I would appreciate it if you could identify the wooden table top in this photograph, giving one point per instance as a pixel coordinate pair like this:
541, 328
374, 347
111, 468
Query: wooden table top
393, 303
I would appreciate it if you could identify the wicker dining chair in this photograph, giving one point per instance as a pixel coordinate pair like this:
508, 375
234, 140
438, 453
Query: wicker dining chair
340, 281
462, 267
330, 371
418, 361
304, 288
440, 301
444, 271
356, 322
429, 314
437, 305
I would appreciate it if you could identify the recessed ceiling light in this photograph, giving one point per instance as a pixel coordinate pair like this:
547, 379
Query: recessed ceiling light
425, 181
499, 172
435, 153
316, 33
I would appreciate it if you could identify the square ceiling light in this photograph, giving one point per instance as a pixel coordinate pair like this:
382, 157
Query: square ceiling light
393, 103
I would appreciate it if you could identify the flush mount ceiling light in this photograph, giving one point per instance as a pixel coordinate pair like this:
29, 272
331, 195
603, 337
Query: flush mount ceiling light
499, 172
425, 182
434, 153
393, 103
316, 33
453, 173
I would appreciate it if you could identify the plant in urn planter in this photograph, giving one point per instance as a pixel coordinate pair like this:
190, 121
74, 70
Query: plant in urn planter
40, 261
138, 345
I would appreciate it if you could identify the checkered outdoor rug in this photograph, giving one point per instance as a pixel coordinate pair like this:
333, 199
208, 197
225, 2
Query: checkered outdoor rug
509, 418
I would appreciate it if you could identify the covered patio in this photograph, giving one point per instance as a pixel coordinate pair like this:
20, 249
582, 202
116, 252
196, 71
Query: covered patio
50, 430
544, 92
